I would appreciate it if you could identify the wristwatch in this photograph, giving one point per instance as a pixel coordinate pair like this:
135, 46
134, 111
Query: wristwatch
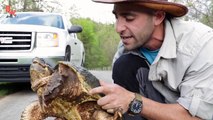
136, 105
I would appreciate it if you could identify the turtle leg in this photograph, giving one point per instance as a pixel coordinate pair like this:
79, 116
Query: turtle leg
118, 114
33, 112
103, 115
60, 119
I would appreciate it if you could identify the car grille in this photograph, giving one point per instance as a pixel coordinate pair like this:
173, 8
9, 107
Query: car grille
14, 73
15, 40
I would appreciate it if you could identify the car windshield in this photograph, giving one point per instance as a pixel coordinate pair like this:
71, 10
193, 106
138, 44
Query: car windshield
34, 19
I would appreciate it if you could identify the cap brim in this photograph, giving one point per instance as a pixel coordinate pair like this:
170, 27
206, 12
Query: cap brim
174, 9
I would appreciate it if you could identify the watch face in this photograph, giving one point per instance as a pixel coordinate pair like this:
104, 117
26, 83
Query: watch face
136, 106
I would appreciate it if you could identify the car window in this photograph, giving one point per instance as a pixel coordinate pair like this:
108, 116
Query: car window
34, 19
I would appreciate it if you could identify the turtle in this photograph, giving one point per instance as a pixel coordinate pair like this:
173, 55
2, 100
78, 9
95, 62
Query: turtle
63, 93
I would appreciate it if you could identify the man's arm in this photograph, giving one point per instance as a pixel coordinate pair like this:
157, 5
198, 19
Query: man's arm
161, 111
118, 97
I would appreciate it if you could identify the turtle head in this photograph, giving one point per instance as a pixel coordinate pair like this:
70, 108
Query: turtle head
65, 83
39, 70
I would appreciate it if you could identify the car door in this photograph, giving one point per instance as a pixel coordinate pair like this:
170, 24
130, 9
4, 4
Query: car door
76, 50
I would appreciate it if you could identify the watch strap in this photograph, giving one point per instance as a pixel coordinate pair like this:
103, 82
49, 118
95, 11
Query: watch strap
138, 97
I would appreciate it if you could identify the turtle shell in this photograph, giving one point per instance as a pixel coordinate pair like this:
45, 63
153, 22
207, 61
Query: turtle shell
63, 92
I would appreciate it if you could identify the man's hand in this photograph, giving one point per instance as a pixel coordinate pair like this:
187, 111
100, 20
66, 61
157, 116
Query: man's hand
116, 97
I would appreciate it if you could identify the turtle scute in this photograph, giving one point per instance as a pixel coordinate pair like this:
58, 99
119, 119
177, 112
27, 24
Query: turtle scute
63, 93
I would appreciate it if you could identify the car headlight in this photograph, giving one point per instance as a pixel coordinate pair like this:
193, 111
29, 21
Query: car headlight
47, 40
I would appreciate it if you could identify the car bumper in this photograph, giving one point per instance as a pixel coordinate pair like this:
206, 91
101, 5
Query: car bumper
17, 69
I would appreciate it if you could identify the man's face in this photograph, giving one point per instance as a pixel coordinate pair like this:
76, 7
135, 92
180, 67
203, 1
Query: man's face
134, 26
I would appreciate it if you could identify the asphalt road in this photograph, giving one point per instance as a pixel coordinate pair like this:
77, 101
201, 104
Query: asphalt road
12, 105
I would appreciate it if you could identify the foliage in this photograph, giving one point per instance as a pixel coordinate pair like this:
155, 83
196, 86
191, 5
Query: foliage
33, 5
100, 41
9, 88
199, 10
24, 5
108, 40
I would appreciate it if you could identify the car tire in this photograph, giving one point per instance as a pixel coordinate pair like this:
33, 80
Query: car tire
82, 63
67, 54
83, 59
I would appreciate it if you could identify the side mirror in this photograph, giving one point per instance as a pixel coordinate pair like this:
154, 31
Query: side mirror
75, 29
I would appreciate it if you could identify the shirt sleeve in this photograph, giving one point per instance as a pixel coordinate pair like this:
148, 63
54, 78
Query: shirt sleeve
196, 90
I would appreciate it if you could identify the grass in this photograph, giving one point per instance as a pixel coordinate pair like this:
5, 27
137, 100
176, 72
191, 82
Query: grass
9, 88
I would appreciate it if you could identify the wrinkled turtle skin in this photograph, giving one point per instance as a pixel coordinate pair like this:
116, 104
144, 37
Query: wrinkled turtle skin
63, 94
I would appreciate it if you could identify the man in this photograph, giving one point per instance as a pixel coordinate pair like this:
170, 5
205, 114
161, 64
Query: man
176, 82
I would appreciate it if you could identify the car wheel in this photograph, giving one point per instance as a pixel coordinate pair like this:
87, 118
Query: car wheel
67, 54
82, 61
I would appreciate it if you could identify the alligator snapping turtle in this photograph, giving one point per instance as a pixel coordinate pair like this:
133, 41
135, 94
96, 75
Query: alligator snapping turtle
63, 94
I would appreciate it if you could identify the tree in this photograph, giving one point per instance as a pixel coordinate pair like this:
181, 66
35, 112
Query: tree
100, 42
34, 5
39, 5
199, 10
94, 56
108, 40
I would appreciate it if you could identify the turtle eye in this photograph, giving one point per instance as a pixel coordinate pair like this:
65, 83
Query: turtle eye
42, 61
38, 60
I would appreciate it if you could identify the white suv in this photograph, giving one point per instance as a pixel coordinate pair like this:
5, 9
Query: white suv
36, 34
